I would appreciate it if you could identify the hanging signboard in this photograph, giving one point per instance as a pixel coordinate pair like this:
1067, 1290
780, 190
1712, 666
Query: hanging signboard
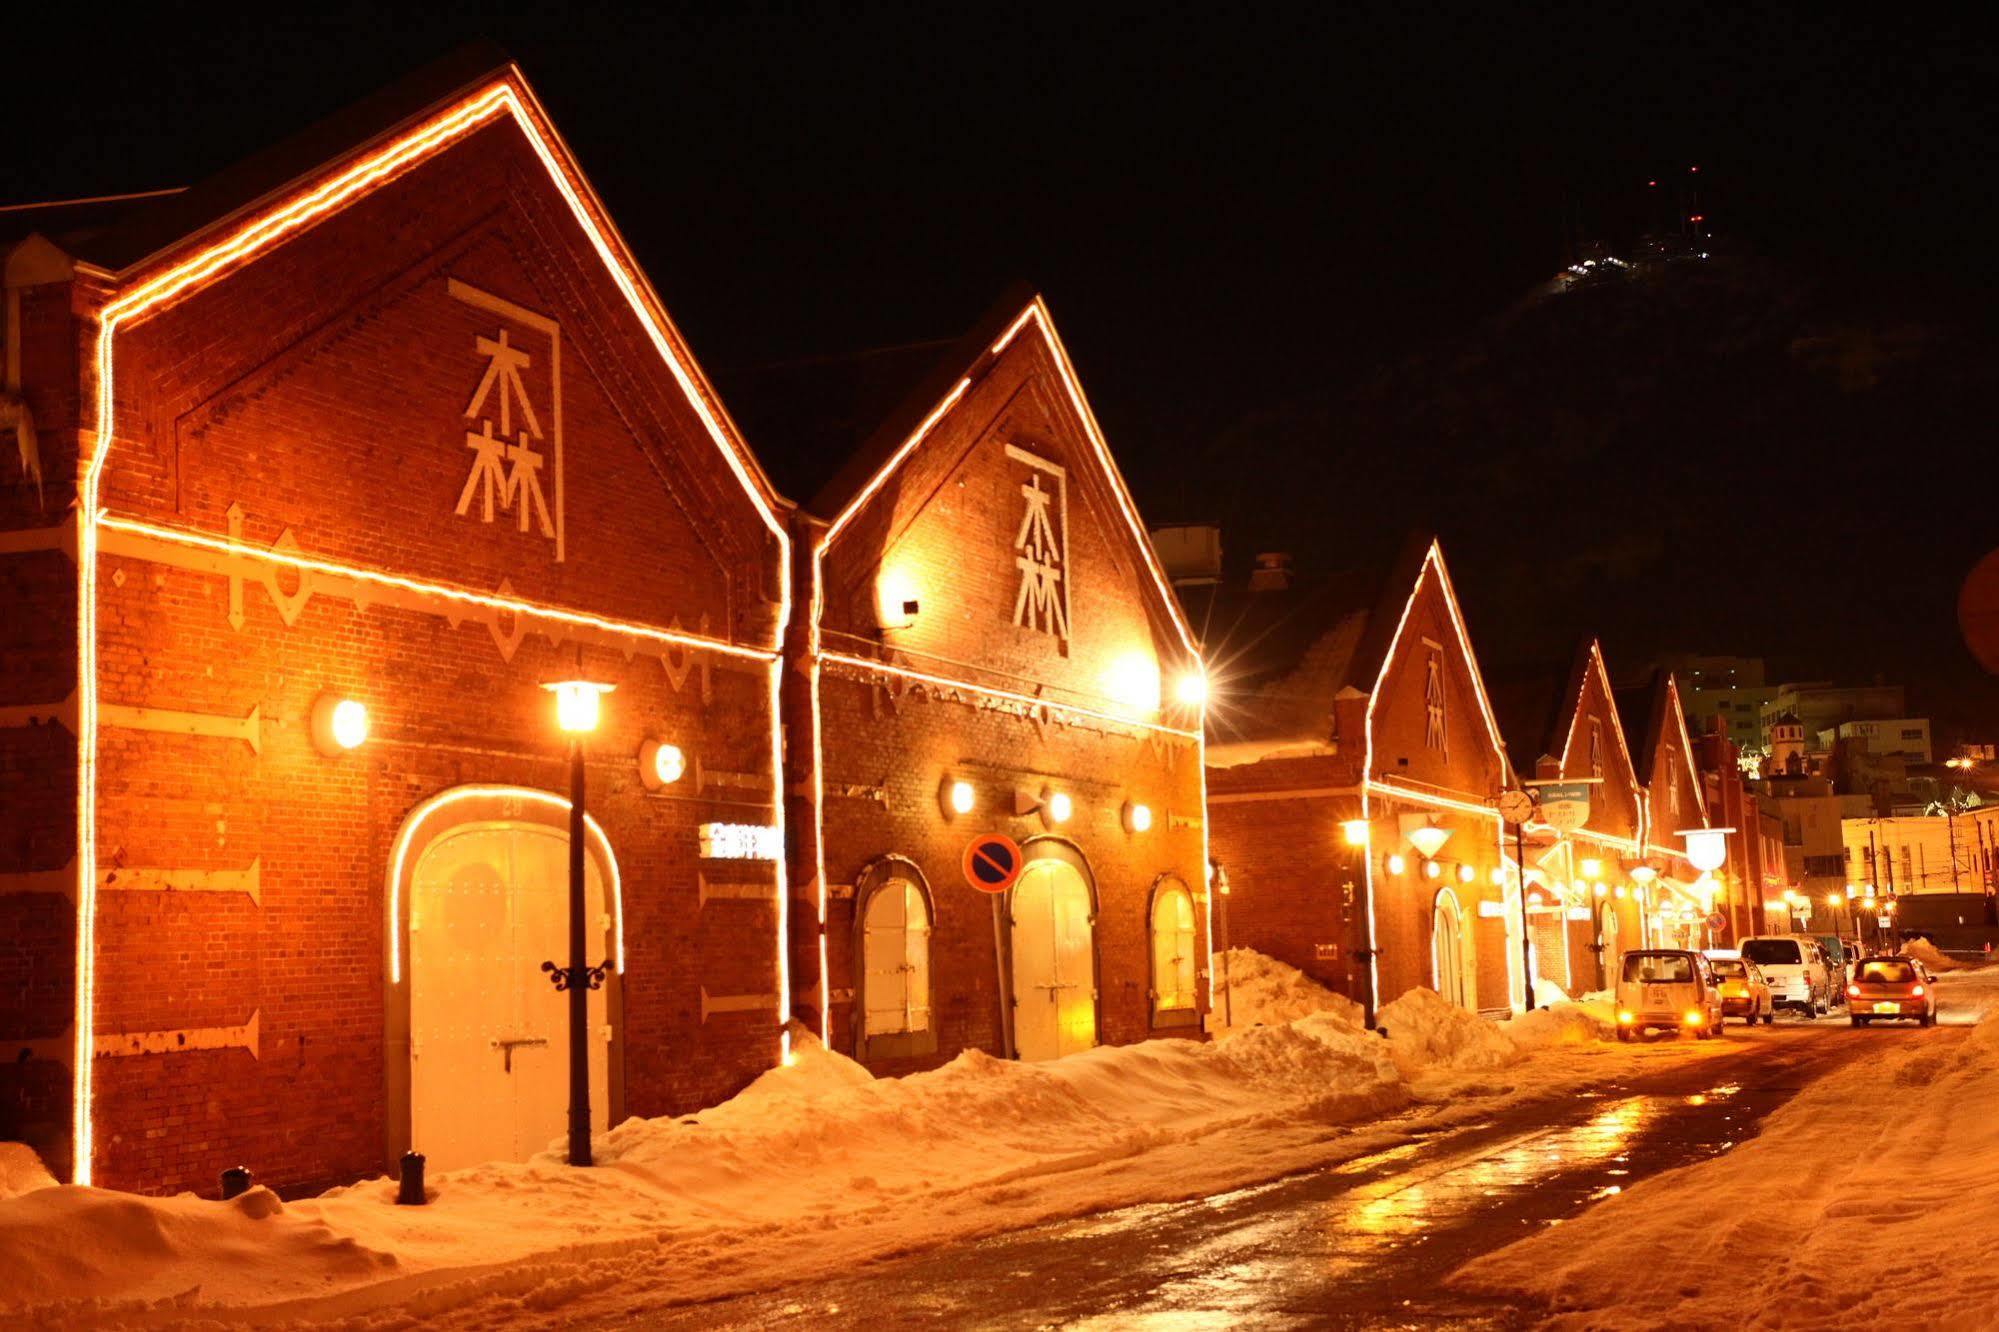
1564, 805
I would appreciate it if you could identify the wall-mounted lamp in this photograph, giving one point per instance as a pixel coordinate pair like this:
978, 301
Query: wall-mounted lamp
660, 764
1137, 817
338, 724
957, 797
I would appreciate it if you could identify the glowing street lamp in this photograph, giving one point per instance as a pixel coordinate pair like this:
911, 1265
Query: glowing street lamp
577, 712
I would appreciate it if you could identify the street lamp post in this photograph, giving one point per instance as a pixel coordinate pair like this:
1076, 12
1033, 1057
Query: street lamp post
576, 712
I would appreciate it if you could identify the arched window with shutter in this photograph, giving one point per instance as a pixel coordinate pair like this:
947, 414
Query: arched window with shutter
1176, 965
893, 923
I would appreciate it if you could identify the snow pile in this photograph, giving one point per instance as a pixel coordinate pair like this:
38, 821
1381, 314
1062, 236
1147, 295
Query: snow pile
67, 1243
1925, 952
21, 1170
815, 1167
1885, 1164
1262, 992
1547, 994
1561, 1024
1427, 1031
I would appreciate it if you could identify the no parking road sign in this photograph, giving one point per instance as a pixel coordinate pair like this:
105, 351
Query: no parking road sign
992, 863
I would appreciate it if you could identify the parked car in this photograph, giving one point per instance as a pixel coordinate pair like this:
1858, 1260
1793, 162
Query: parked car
1666, 989
1794, 967
1838, 959
1744, 992
1894, 988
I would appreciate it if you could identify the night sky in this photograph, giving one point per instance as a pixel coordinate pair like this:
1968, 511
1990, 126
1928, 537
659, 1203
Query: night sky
1290, 257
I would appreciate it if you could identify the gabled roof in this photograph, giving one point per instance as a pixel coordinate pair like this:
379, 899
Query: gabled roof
938, 389
184, 239
1278, 659
154, 224
1648, 710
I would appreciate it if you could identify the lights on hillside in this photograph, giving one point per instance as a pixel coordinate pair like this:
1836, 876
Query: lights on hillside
338, 724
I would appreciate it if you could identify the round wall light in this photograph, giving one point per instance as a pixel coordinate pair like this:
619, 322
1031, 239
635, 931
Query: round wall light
1499, 876
1137, 817
1466, 874
1056, 807
958, 797
1432, 870
1396, 864
661, 764
338, 724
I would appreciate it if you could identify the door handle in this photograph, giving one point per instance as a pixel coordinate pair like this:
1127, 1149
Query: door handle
512, 1043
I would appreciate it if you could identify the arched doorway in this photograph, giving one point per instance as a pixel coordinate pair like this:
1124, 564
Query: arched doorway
1052, 939
1447, 949
479, 1035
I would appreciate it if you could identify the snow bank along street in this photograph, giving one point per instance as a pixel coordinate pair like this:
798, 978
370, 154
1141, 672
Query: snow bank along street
1872, 1199
816, 1166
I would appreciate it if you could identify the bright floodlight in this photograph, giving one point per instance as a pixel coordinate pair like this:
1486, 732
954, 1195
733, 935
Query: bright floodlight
661, 764
1191, 689
1592, 869
576, 703
1355, 831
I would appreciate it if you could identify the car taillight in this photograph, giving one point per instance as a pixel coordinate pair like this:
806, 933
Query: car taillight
1853, 991
1918, 992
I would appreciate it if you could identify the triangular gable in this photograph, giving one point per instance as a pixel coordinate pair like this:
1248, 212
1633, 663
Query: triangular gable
1673, 726
1590, 665
1377, 653
367, 150
885, 454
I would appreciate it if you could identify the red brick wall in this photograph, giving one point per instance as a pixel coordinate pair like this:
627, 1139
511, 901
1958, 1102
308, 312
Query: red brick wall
946, 522
322, 390
38, 761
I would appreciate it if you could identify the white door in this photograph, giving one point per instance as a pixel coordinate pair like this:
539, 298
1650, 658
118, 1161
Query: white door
489, 1033
895, 986
1054, 962
1447, 958
1606, 933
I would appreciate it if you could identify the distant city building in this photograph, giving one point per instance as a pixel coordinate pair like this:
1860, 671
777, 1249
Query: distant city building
1906, 738
1820, 705
1734, 689
1924, 853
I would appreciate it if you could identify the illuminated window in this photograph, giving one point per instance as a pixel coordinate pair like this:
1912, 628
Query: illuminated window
1433, 700
1175, 956
895, 956
1595, 747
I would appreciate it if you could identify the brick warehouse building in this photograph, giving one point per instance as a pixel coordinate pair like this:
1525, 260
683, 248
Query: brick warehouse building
1584, 883
1677, 903
1353, 765
987, 646
386, 416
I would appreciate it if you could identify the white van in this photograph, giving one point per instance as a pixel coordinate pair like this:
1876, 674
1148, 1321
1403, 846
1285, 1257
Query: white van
1794, 964
1669, 990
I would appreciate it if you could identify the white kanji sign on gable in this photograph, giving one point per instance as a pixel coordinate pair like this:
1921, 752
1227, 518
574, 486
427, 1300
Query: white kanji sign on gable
516, 465
1041, 546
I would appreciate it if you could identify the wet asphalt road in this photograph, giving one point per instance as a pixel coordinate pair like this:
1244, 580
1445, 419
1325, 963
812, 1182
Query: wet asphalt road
1363, 1244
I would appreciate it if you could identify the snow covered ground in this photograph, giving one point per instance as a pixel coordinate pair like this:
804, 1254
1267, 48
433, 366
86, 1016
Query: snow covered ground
813, 1168
1870, 1200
